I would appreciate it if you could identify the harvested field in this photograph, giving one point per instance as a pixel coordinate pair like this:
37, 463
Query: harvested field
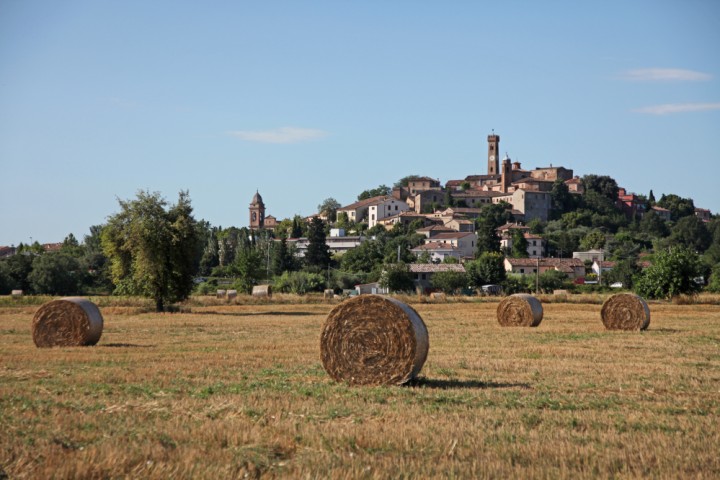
233, 390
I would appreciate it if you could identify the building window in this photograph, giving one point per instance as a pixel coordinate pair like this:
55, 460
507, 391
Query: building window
522, 270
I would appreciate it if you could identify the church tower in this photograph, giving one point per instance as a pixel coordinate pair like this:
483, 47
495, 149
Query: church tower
493, 154
257, 212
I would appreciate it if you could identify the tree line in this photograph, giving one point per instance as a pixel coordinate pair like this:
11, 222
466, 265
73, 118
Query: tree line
159, 250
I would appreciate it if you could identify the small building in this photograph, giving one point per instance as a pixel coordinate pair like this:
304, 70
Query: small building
438, 251
465, 242
370, 288
573, 267
590, 255
663, 213
703, 214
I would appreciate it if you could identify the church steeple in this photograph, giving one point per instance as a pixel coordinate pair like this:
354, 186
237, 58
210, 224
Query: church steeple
257, 212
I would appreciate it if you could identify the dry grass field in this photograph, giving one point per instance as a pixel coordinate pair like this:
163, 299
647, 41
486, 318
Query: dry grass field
238, 391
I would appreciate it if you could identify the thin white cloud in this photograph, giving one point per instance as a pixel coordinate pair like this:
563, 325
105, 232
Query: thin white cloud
665, 75
280, 135
670, 108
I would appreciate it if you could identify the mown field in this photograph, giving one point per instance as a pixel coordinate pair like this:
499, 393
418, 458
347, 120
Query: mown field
238, 391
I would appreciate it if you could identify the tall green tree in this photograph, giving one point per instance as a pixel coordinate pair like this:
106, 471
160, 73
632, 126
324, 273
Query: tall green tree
374, 192
152, 247
519, 244
329, 208
318, 253
679, 207
397, 278
450, 282
691, 232
488, 239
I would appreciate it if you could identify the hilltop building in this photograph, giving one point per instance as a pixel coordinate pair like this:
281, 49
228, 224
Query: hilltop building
258, 220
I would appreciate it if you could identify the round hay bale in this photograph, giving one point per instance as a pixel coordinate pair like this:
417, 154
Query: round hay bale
262, 291
373, 340
625, 311
67, 322
231, 294
329, 293
520, 310
220, 294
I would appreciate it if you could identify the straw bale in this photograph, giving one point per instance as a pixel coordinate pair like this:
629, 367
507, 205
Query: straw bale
67, 322
625, 311
329, 293
262, 291
520, 310
221, 293
16, 293
231, 294
373, 340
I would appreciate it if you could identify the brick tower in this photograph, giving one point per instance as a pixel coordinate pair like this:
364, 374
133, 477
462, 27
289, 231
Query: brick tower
257, 212
493, 154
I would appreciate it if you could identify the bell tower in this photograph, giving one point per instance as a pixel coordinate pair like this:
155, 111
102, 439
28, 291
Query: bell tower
257, 212
493, 154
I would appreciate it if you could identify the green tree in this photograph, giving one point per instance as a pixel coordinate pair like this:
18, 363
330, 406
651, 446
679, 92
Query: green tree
601, 184
56, 273
691, 232
561, 200
405, 181
318, 253
679, 207
672, 273
593, 241
714, 280
450, 282
283, 259
653, 225
552, 280
488, 239
248, 268
374, 192
17, 270
396, 277
625, 271
519, 244
329, 208
152, 248
487, 269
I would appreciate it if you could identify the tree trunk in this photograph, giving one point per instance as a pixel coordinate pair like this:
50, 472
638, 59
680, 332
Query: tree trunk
159, 305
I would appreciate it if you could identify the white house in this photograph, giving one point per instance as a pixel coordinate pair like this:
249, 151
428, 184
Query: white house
385, 207
464, 242
438, 251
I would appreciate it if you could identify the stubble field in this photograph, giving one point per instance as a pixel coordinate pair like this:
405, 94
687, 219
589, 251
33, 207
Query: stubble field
238, 391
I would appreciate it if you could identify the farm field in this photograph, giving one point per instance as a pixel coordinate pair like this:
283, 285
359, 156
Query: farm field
238, 391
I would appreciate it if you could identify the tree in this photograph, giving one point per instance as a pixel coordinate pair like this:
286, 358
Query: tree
17, 270
714, 280
519, 244
328, 208
374, 192
396, 277
593, 240
56, 273
248, 268
625, 271
318, 253
653, 225
672, 273
283, 259
552, 280
561, 200
152, 248
450, 282
651, 198
679, 207
405, 181
488, 269
691, 232
488, 239
601, 184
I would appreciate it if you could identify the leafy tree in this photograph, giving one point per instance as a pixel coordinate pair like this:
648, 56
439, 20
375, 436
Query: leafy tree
714, 280
72, 247
652, 224
329, 208
450, 282
593, 240
299, 283
624, 271
283, 259
672, 273
651, 198
601, 184
519, 244
5, 281
17, 270
487, 269
397, 278
374, 192
679, 207
561, 200
56, 273
405, 181
552, 280
488, 239
152, 248
298, 227
318, 253
691, 232
248, 268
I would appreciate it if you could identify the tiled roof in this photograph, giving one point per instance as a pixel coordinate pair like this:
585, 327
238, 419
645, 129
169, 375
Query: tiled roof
366, 203
451, 235
433, 246
545, 262
436, 267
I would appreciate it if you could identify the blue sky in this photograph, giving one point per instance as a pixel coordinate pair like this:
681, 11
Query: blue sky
309, 100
